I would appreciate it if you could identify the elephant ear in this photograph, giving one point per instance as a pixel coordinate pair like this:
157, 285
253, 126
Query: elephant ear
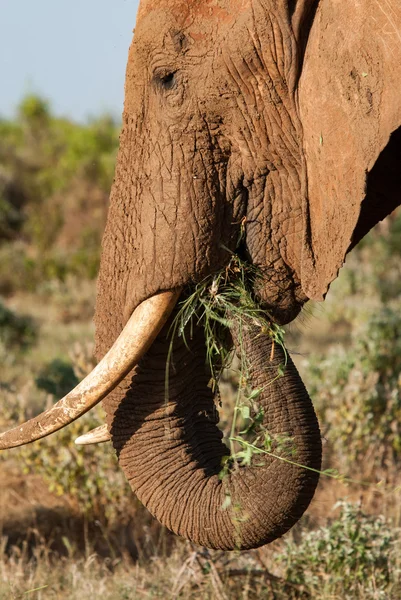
350, 105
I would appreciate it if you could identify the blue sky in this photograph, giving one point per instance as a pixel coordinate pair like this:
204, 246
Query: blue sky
72, 52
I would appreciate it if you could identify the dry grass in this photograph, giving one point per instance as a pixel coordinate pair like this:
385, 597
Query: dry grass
184, 571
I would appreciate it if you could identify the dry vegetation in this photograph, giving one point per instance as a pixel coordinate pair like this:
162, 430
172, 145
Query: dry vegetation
69, 527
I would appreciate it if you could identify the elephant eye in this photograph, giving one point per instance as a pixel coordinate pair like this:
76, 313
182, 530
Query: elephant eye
165, 79
168, 81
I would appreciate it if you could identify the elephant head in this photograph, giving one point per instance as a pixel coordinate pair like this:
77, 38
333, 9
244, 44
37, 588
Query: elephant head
277, 119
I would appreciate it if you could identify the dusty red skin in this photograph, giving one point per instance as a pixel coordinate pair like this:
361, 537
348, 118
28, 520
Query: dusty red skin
193, 15
269, 116
354, 53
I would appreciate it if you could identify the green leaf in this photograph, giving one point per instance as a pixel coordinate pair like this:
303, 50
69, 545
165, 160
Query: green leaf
281, 370
245, 411
254, 395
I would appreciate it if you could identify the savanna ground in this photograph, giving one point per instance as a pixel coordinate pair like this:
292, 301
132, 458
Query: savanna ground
69, 526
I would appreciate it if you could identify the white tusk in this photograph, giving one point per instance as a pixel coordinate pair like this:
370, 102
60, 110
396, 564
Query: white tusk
96, 436
134, 341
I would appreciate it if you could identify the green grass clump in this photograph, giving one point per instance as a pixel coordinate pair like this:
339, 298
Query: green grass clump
219, 304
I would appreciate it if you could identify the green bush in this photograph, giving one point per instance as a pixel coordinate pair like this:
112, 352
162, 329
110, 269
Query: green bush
89, 475
16, 331
21, 272
55, 179
33, 109
57, 378
354, 556
10, 217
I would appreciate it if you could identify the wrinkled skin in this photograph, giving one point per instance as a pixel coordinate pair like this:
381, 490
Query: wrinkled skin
268, 118
210, 137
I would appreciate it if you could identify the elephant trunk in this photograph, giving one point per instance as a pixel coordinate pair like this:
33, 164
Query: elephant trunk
171, 449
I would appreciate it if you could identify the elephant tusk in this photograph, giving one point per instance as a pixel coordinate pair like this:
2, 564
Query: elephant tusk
134, 341
96, 436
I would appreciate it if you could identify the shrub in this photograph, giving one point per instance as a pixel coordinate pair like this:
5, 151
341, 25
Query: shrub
10, 216
55, 179
33, 109
16, 331
89, 475
57, 378
354, 556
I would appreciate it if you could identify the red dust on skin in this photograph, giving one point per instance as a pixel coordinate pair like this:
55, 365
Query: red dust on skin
195, 15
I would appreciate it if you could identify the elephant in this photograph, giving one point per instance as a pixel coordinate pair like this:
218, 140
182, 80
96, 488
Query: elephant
280, 117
